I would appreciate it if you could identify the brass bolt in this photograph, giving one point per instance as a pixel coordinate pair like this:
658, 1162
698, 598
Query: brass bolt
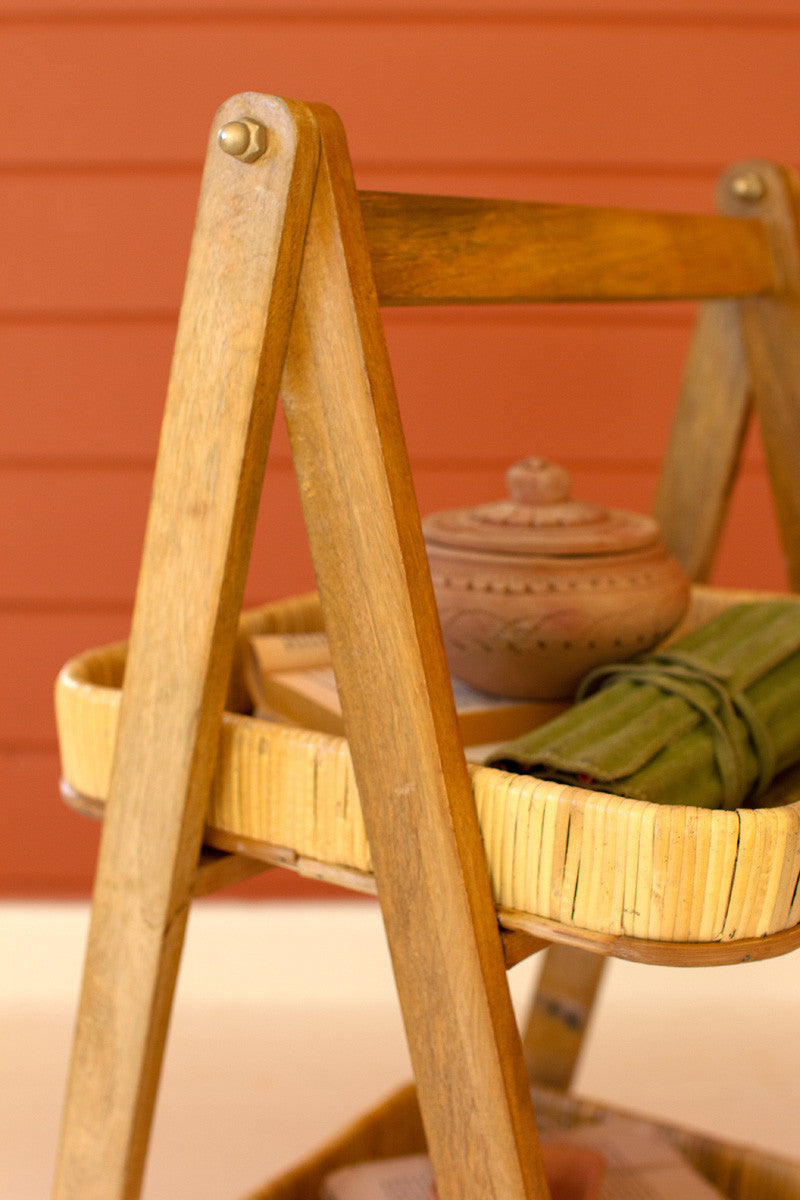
749, 187
244, 139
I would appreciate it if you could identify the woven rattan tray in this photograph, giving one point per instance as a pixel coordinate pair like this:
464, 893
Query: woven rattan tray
394, 1128
565, 862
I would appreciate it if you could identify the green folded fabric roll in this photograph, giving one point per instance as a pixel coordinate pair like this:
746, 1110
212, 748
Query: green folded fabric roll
708, 722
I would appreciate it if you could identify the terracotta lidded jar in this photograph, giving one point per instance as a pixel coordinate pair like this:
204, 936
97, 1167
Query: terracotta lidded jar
536, 590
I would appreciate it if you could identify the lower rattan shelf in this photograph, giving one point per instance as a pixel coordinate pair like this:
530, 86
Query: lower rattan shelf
394, 1128
619, 876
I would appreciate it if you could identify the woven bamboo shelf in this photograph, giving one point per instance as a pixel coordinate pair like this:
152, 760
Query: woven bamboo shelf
394, 1128
569, 864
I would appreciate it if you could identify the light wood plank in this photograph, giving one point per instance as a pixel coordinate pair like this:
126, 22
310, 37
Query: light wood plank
771, 328
241, 282
79, 282
397, 703
706, 439
216, 870
559, 1016
450, 250
518, 945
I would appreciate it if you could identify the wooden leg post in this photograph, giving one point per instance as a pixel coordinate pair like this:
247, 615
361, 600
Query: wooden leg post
416, 796
560, 1013
705, 445
241, 282
771, 328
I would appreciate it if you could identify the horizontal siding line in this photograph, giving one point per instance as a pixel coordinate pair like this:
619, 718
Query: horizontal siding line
50, 606
544, 167
604, 466
637, 313
419, 462
509, 167
19, 747
401, 16
77, 462
88, 316
98, 167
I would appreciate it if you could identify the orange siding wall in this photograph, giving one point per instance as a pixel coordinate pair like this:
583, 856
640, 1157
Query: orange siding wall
105, 111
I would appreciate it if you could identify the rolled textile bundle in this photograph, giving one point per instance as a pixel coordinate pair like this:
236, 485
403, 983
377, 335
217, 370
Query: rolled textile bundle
708, 721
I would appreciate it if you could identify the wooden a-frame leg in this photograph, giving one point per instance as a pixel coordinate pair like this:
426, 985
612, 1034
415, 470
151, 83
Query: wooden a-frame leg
241, 285
415, 792
705, 445
771, 328
559, 1016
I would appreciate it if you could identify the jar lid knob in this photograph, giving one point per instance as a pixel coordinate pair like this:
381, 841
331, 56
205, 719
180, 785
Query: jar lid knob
536, 481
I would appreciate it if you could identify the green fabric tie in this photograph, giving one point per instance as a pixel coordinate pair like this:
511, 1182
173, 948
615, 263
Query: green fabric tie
674, 672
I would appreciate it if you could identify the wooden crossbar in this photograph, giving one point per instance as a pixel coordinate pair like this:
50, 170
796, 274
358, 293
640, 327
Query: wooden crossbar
451, 250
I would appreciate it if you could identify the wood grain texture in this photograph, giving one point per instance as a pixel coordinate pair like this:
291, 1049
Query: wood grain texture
448, 250
559, 1015
705, 445
216, 869
771, 328
110, 254
380, 616
240, 283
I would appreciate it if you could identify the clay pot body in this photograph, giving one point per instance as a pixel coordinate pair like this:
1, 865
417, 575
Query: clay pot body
534, 592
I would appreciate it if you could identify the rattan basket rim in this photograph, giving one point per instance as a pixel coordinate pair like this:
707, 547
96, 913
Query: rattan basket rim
565, 856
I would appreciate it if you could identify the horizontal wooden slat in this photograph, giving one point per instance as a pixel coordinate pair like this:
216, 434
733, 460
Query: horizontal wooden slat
114, 243
74, 537
411, 91
47, 848
635, 10
66, 534
91, 393
444, 250
572, 385
117, 243
84, 390
34, 645
519, 381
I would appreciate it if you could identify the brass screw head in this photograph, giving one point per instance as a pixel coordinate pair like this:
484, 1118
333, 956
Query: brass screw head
244, 139
749, 187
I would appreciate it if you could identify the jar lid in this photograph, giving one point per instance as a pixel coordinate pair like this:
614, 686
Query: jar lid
541, 519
